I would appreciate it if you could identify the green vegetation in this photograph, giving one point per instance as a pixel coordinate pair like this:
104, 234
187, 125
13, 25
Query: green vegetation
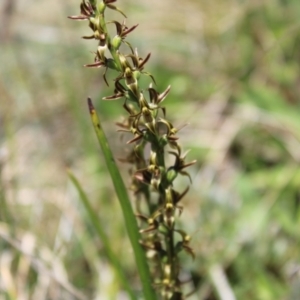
234, 70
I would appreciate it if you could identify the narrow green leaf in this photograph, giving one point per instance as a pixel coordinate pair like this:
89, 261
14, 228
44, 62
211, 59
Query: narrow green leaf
106, 244
130, 220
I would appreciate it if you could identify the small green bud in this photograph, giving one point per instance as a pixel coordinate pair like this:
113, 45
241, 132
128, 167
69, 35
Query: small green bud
171, 175
116, 42
101, 7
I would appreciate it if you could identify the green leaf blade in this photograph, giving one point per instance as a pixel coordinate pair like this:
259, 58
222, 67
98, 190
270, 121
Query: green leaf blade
130, 220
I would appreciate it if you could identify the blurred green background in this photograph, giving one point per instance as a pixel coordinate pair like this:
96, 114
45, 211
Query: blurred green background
234, 70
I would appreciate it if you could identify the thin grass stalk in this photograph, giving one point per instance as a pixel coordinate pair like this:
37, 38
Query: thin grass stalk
130, 221
94, 219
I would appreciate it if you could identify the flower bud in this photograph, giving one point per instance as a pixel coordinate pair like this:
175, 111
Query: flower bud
101, 7
171, 175
116, 42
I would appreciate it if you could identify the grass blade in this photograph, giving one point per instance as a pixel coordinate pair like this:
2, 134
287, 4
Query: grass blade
98, 227
130, 220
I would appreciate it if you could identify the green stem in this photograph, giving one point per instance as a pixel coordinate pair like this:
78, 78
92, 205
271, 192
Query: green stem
114, 54
170, 251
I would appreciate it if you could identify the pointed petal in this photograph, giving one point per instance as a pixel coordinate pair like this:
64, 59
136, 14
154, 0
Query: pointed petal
174, 153
81, 17
142, 217
119, 87
188, 164
97, 64
134, 139
134, 60
115, 8
119, 27
90, 37
122, 125
113, 97
125, 32
164, 94
184, 173
190, 251
129, 45
142, 63
143, 175
151, 76
177, 197
150, 228
104, 77
153, 95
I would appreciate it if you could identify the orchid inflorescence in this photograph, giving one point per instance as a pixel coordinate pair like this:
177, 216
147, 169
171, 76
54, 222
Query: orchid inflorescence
152, 180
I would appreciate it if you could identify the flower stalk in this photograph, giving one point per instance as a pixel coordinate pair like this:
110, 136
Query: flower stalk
153, 137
